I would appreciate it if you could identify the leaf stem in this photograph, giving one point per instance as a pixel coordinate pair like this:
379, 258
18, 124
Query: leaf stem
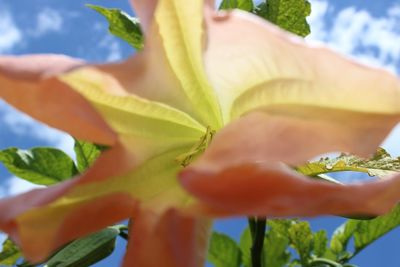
257, 228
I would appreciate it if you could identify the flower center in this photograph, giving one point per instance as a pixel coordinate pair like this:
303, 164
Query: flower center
198, 148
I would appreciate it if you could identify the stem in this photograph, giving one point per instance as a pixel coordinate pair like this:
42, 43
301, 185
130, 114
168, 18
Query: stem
252, 225
257, 229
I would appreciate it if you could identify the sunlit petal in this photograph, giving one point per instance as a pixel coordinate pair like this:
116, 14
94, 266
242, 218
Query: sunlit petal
252, 64
174, 50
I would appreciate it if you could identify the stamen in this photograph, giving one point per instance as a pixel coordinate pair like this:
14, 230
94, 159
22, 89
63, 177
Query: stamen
186, 158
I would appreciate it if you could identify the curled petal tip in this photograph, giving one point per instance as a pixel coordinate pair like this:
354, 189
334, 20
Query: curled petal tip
272, 190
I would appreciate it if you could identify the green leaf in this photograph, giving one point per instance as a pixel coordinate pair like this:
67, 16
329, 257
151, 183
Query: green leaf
369, 231
290, 15
42, 166
380, 164
86, 251
9, 254
320, 243
275, 247
86, 154
275, 253
223, 251
245, 244
364, 232
246, 5
122, 25
281, 225
301, 238
340, 240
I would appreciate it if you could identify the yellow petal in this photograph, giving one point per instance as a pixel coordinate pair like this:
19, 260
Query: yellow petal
181, 32
147, 127
265, 66
170, 68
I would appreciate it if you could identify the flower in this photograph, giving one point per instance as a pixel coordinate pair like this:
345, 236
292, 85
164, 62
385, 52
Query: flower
199, 125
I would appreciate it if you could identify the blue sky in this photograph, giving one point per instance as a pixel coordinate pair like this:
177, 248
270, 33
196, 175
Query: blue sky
368, 31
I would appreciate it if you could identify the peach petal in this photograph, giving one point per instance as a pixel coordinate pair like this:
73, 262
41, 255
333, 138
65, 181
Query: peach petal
43, 219
274, 190
241, 172
35, 67
29, 84
38, 241
12, 207
294, 137
169, 240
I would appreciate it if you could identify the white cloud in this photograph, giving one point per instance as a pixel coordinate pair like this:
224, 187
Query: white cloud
113, 47
392, 144
372, 40
48, 20
369, 39
13, 186
21, 124
9, 32
316, 20
17, 186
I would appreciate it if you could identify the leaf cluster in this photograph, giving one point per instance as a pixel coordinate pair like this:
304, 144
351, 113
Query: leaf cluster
289, 15
293, 243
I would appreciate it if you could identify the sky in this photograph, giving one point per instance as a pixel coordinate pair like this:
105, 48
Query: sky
366, 30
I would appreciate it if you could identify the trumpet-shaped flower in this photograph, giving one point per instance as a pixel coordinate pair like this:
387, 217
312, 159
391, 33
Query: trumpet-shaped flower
201, 124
